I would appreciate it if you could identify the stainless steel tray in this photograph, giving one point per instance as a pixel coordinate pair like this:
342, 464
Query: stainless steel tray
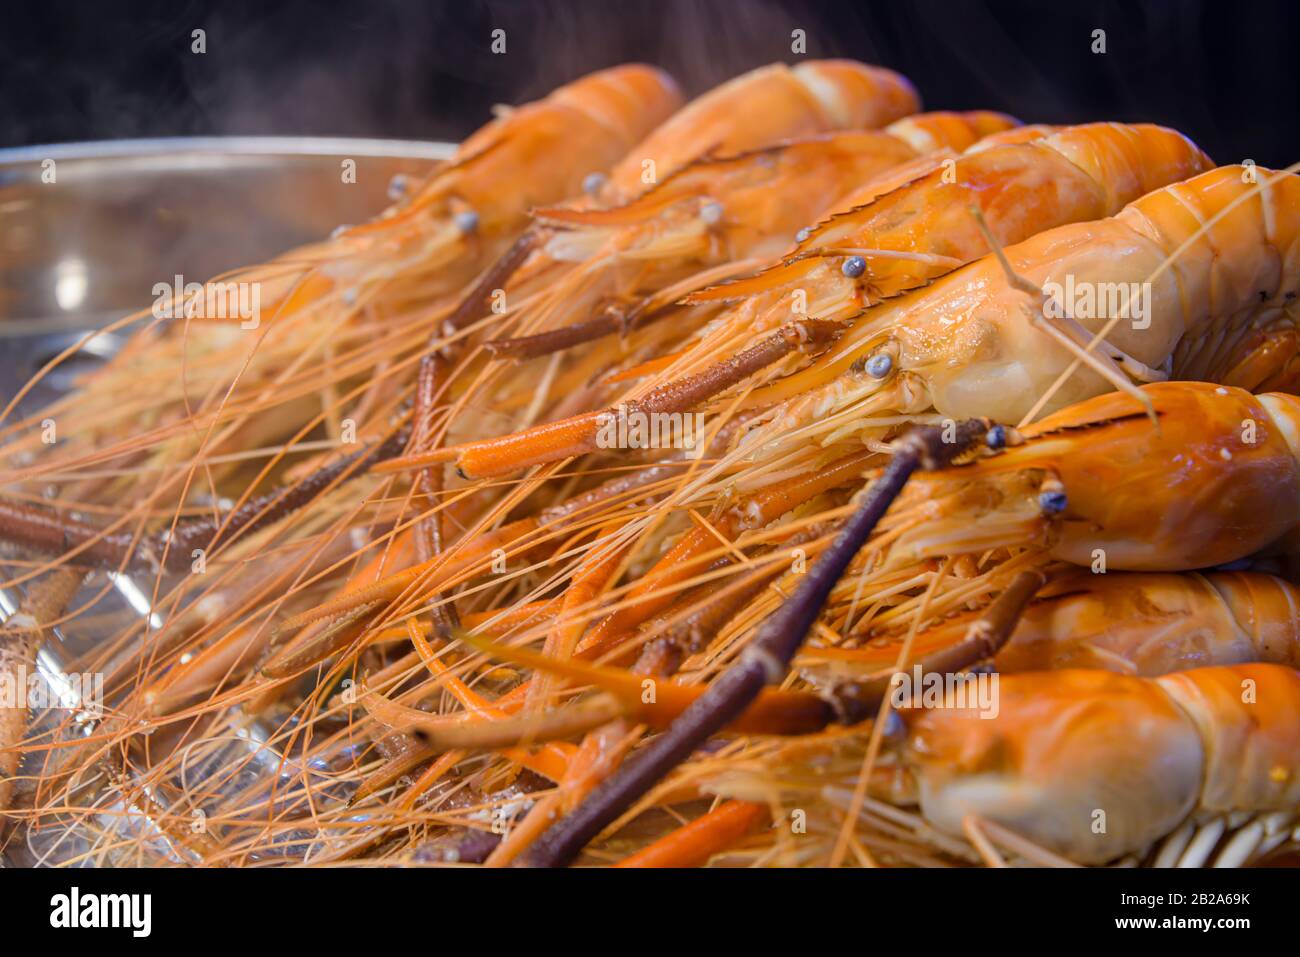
120, 216
87, 248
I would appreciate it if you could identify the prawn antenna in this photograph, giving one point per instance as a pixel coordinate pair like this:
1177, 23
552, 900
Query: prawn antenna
767, 658
1014, 278
1105, 366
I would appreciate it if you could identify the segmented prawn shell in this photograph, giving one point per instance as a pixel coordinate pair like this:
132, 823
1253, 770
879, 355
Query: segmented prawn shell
1142, 623
1154, 624
1213, 480
1216, 480
528, 156
509, 166
943, 130
765, 106
938, 141
1021, 187
1220, 254
1096, 765
713, 212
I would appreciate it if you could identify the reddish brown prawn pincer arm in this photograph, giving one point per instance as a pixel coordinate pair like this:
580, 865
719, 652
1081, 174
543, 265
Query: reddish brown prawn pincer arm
578, 435
764, 661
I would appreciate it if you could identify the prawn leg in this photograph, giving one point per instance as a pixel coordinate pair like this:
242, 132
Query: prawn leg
764, 661
580, 434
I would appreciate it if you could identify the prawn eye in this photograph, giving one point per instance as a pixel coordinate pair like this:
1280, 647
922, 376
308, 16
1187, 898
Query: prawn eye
879, 365
996, 437
593, 183
1053, 502
466, 221
398, 186
895, 731
854, 267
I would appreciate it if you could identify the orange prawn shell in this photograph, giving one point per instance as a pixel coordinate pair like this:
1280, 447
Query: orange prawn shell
1246, 716
767, 105
763, 194
1063, 746
529, 155
1075, 174
938, 136
1265, 608
1155, 624
972, 336
1069, 749
982, 344
948, 130
1020, 134
1131, 622
598, 117
1217, 481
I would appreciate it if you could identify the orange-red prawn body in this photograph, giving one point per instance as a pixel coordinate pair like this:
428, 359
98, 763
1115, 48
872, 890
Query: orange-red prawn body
758, 108
718, 212
1152, 624
1143, 623
1070, 750
928, 338
471, 206
917, 232
1203, 266
757, 198
1215, 479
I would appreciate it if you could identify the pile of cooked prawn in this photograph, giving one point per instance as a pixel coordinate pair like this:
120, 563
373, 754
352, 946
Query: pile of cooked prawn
784, 478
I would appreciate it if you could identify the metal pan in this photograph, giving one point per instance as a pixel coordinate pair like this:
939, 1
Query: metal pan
88, 229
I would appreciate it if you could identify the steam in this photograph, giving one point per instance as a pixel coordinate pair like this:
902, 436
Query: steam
424, 69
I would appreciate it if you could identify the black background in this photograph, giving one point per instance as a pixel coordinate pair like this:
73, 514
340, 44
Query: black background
744, 911
1224, 73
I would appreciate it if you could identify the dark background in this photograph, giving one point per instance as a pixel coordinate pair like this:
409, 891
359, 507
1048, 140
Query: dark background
1224, 73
